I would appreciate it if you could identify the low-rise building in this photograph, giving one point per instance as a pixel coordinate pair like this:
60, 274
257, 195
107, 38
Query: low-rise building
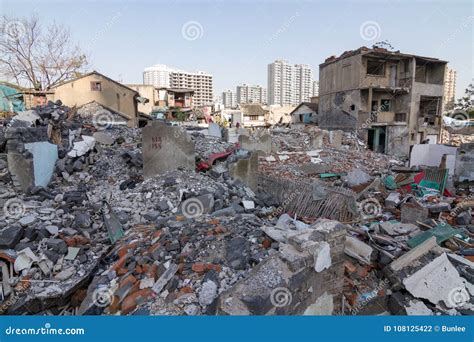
148, 92
96, 87
393, 99
249, 115
279, 114
306, 113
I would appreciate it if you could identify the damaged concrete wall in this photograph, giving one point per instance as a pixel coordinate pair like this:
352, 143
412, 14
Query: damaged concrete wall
337, 119
166, 148
465, 163
246, 170
111, 94
398, 141
261, 143
430, 154
305, 277
31, 158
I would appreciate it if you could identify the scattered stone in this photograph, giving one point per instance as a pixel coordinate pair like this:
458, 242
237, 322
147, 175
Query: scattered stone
208, 293
10, 236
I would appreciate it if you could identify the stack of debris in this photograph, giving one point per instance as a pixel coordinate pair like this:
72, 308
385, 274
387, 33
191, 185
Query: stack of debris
99, 218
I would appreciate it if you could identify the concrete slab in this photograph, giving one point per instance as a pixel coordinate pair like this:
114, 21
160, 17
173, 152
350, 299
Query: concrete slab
324, 306
262, 143
246, 170
414, 254
436, 282
45, 156
82, 147
214, 130
430, 154
358, 249
166, 148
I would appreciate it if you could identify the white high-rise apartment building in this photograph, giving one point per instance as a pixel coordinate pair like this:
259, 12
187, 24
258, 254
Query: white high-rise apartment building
162, 76
315, 88
303, 83
289, 84
449, 88
157, 75
251, 94
229, 99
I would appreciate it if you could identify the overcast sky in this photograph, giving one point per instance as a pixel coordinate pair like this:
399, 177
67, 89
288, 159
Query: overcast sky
235, 40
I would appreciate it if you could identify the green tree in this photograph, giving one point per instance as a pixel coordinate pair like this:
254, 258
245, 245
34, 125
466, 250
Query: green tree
181, 116
466, 102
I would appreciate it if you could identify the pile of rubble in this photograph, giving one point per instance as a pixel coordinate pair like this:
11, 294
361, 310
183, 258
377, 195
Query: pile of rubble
318, 154
99, 218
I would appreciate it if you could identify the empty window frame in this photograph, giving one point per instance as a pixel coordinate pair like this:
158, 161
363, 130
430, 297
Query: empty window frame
385, 105
96, 86
400, 117
375, 68
420, 74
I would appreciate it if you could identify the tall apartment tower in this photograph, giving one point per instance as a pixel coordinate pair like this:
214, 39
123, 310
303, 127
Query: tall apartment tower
162, 76
281, 83
303, 83
289, 84
315, 88
229, 99
251, 94
449, 88
158, 76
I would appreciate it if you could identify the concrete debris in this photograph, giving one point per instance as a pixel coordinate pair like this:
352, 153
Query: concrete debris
184, 219
28, 116
417, 308
358, 249
166, 148
436, 281
262, 143
357, 177
214, 130
82, 147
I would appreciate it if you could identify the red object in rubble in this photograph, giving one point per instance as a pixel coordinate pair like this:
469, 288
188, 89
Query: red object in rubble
205, 165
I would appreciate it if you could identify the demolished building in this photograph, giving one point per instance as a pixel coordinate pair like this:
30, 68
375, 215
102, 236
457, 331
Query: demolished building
168, 220
393, 99
98, 88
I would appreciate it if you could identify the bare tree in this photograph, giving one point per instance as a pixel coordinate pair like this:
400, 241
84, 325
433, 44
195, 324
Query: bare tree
36, 57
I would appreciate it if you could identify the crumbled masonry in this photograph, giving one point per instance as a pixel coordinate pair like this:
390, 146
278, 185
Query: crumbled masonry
177, 220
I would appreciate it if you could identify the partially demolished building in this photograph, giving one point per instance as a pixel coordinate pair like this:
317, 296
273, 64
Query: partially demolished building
394, 99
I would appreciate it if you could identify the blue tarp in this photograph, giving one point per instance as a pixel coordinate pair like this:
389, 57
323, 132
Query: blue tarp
10, 99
